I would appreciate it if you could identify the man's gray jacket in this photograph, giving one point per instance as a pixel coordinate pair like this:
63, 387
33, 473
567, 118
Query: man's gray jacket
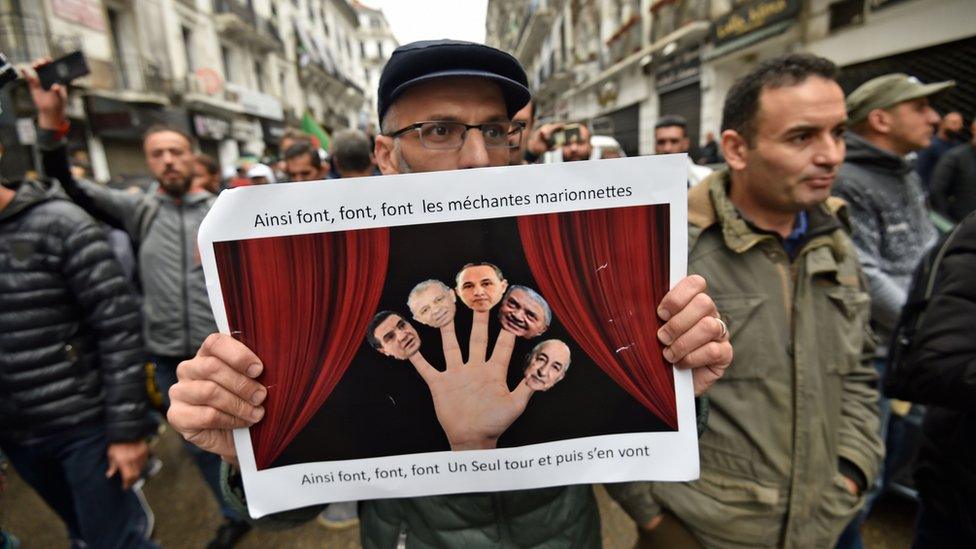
892, 229
176, 309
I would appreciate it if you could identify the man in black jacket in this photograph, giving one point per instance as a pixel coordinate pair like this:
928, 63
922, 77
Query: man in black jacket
73, 410
953, 186
940, 371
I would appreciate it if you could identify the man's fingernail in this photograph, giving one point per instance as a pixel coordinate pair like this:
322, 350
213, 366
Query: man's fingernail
668, 354
257, 414
664, 336
254, 370
258, 396
664, 314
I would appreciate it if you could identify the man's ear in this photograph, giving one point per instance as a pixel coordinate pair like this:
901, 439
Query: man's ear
385, 154
504, 285
879, 120
735, 149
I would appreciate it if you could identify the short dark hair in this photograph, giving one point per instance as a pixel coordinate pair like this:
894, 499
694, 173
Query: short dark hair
208, 163
302, 148
498, 272
350, 151
160, 128
374, 324
672, 120
742, 102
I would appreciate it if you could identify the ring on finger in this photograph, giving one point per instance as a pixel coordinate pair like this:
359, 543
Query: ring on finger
725, 328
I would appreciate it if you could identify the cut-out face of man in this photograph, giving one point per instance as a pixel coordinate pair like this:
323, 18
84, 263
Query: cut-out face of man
397, 337
547, 365
480, 287
432, 303
524, 312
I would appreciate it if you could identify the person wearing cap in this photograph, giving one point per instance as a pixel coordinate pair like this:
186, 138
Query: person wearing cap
261, 174
889, 117
443, 105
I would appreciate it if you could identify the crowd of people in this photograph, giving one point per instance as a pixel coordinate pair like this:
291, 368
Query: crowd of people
805, 235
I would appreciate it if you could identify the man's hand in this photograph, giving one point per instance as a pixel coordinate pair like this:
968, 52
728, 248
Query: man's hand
51, 104
215, 394
540, 141
852, 486
694, 336
472, 400
127, 459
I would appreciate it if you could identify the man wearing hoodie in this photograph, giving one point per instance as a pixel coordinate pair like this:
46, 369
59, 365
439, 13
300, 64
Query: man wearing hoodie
889, 117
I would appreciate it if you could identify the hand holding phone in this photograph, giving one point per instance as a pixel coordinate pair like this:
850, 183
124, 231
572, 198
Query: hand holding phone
63, 70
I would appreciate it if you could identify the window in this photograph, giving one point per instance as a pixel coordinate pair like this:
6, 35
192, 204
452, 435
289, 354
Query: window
225, 58
188, 48
846, 13
259, 76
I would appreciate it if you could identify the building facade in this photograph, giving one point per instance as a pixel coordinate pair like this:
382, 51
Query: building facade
376, 43
621, 64
232, 73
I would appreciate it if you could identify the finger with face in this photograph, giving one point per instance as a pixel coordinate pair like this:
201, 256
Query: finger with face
480, 286
432, 303
524, 312
546, 365
391, 334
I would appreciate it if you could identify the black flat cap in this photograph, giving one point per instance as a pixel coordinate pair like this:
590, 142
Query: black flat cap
418, 62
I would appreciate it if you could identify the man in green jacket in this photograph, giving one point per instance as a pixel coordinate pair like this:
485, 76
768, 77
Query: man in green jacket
792, 438
469, 91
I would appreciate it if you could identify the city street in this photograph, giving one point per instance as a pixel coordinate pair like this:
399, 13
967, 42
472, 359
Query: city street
186, 515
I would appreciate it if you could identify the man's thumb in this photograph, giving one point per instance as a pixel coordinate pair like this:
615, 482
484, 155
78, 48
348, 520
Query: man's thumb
112, 468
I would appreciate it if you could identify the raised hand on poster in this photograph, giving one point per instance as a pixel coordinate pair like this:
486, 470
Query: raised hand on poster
473, 403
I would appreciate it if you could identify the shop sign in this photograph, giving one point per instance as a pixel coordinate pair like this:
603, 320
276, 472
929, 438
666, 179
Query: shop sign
245, 130
87, 13
752, 16
210, 127
680, 69
257, 103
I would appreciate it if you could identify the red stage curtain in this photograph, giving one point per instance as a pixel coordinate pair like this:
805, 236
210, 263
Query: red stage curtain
302, 304
603, 272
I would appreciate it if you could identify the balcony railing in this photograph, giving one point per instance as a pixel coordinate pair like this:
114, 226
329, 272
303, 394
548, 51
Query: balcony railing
239, 22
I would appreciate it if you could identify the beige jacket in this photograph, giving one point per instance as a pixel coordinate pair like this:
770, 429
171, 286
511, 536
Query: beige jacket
800, 395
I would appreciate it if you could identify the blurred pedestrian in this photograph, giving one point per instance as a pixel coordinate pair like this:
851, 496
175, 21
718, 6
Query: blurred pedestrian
261, 174
671, 137
206, 175
74, 411
889, 117
577, 146
711, 153
303, 163
163, 224
947, 137
351, 154
953, 187
938, 369
792, 440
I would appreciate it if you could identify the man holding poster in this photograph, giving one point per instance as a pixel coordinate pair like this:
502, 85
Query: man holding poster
432, 96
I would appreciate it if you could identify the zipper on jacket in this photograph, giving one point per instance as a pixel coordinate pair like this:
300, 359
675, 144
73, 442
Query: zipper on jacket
186, 289
402, 538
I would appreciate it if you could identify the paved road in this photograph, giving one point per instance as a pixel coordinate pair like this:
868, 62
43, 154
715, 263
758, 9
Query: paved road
186, 515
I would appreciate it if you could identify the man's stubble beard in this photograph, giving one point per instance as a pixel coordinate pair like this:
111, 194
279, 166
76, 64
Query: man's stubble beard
402, 165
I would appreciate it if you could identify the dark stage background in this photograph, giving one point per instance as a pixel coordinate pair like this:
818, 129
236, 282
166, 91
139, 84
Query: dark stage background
382, 407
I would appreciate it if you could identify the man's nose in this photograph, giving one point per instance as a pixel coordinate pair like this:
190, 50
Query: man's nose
474, 152
830, 151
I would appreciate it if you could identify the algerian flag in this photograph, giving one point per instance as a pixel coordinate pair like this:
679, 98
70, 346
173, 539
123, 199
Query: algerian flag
311, 127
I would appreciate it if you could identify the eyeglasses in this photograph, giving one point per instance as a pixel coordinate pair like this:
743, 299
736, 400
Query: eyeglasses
451, 135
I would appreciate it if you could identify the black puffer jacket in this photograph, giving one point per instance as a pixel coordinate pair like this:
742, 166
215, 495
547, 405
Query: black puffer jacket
940, 371
70, 347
